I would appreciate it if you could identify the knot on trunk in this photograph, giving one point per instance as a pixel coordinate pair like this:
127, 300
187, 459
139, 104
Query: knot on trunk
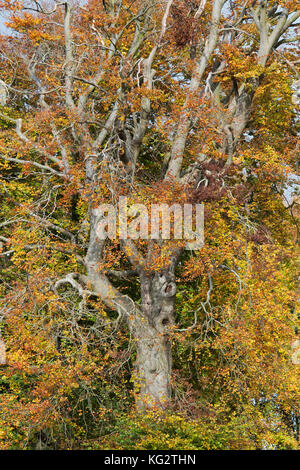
164, 321
168, 289
167, 285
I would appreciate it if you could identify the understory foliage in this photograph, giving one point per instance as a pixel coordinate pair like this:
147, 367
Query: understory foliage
183, 101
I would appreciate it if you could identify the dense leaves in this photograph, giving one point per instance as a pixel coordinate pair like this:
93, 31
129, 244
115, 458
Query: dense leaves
159, 101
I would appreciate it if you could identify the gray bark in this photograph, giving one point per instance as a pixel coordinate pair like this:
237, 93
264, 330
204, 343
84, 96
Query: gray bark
153, 346
2, 352
153, 367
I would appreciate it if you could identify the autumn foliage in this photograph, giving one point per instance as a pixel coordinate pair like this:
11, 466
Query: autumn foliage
180, 102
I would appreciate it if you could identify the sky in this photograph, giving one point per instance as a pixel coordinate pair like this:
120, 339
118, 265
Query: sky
3, 29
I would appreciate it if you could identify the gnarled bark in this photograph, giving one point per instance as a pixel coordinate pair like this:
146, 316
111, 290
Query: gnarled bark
153, 346
153, 366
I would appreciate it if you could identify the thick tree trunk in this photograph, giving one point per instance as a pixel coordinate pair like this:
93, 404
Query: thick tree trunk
153, 369
151, 331
2, 353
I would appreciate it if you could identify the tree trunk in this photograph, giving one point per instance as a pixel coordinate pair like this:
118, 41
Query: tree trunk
153, 368
151, 330
2, 353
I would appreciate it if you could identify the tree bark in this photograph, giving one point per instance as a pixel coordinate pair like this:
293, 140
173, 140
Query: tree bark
2, 353
152, 369
152, 335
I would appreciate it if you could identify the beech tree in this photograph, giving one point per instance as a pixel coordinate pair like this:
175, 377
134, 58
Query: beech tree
159, 101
